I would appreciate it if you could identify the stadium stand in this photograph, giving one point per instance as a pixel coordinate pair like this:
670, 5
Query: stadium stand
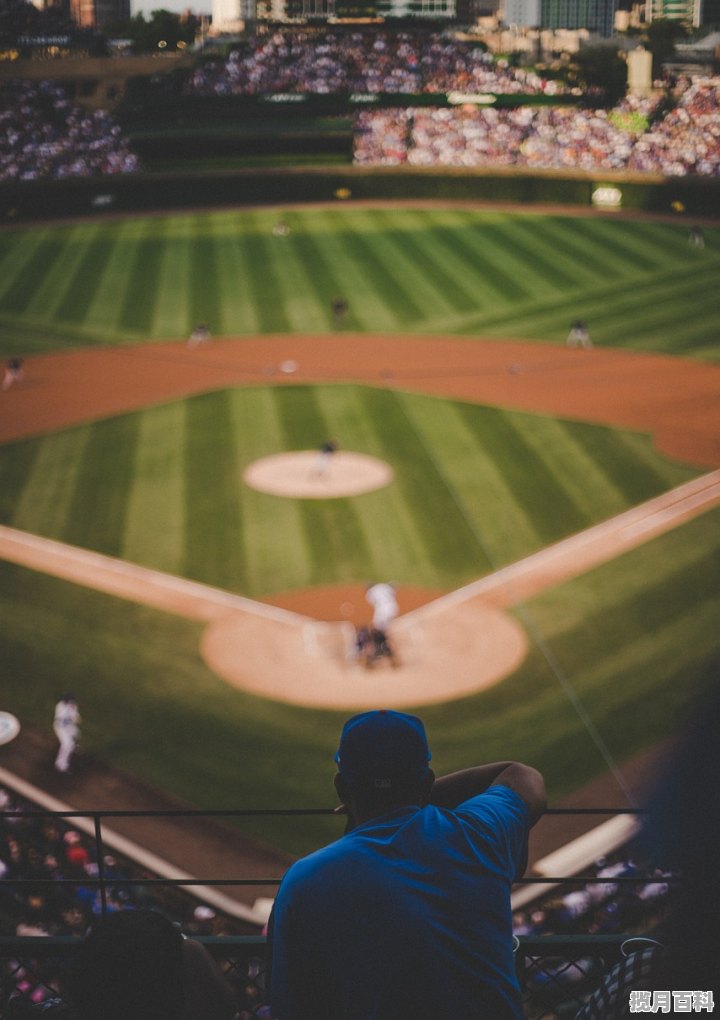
686, 141
42, 134
334, 61
34, 849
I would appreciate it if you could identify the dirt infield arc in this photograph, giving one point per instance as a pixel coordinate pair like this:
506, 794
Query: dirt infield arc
465, 637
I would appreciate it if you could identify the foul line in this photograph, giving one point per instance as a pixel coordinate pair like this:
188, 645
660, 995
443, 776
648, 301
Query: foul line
586, 549
127, 848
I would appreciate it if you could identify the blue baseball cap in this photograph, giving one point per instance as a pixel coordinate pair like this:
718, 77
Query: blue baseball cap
383, 749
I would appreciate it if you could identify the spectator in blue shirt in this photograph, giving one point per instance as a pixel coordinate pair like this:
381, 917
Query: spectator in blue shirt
408, 914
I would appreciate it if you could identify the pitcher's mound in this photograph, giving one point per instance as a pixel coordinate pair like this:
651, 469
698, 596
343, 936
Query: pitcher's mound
304, 475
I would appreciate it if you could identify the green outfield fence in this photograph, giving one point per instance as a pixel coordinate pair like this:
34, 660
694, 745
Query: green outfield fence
556, 972
698, 197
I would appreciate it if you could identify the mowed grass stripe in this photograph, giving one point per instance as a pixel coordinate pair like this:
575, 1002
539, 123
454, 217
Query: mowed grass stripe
368, 307
586, 252
656, 248
558, 270
668, 315
533, 485
452, 546
22, 248
332, 532
698, 338
610, 304
395, 549
137, 307
213, 505
309, 281
17, 461
275, 554
172, 316
155, 523
492, 267
428, 243
263, 277
578, 472
98, 508
46, 499
42, 260
602, 236
380, 270
50, 289
204, 295
646, 619
95, 248
414, 264
106, 303
237, 314
503, 529
507, 237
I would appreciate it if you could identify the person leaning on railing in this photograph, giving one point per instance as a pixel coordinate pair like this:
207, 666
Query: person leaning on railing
136, 965
408, 914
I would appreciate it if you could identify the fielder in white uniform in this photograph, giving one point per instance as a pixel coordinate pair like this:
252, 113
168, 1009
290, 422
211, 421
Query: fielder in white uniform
67, 729
384, 602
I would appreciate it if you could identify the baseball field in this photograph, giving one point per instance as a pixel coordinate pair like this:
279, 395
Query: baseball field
450, 367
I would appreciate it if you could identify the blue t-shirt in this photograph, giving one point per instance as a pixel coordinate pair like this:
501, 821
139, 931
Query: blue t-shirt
407, 917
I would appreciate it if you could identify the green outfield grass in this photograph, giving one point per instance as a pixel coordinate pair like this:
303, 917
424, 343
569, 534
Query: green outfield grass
637, 639
475, 487
479, 273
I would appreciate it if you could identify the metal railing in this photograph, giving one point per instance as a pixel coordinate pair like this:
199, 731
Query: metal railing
556, 972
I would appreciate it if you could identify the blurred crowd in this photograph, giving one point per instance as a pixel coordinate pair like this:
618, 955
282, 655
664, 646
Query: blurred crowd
372, 62
35, 849
39, 848
42, 134
686, 141
606, 907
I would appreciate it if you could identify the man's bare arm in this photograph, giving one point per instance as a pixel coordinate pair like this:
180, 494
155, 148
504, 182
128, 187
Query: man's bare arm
451, 790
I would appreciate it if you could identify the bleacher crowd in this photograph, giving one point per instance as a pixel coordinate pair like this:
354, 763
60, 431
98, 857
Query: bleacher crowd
43, 134
686, 141
36, 849
39, 848
373, 62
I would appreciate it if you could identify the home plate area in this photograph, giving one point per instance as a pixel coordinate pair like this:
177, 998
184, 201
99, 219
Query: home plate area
443, 652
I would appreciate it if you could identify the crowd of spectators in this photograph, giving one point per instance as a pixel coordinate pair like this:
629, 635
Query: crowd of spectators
330, 61
686, 141
43, 134
605, 907
37, 849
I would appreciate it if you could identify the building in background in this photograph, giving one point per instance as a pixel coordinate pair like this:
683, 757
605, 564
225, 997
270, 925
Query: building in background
98, 13
597, 16
688, 11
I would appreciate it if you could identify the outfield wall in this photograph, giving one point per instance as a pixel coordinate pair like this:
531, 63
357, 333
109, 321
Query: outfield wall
699, 197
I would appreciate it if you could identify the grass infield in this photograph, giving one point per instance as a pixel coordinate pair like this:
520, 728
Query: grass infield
476, 487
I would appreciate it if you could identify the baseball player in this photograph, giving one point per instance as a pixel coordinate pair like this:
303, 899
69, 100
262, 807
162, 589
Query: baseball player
579, 335
385, 605
66, 724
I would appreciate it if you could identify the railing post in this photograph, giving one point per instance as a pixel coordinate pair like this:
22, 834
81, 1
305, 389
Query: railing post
100, 853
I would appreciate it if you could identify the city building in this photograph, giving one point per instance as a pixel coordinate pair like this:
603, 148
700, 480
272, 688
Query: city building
688, 11
98, 13
597, 16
